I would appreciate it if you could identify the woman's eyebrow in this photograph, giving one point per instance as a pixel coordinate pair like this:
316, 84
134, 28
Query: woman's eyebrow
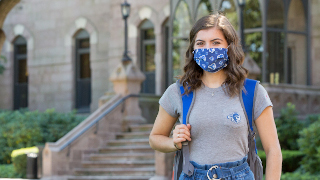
216, 39
210, 40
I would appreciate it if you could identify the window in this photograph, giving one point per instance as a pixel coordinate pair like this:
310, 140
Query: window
20, 73
148, 50
253, 32
181, 29
204, 9
286, 43
229, 9
83, 72
276, 35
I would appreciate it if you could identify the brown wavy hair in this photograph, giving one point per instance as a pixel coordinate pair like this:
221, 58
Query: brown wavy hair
235, 72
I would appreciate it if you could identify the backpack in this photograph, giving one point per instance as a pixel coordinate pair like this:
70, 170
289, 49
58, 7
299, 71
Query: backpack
181, 159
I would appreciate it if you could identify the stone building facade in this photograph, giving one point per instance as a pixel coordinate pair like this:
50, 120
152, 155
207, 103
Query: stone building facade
50, 28
71, 45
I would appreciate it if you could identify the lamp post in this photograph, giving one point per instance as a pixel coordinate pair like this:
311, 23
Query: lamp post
241, 4
125, 10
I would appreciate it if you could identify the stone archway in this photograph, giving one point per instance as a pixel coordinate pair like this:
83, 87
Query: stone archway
5, 8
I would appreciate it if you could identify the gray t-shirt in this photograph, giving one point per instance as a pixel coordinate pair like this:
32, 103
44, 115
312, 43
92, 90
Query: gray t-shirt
219, 128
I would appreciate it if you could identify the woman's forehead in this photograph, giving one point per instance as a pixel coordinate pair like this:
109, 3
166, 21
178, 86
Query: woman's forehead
210, 33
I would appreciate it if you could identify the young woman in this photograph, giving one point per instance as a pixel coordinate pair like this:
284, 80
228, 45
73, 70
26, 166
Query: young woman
217, 131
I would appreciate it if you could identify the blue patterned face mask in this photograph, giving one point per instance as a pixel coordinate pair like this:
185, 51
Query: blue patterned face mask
211, 59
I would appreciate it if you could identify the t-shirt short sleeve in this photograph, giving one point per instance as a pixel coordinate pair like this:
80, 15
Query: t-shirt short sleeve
171, 100
262, 101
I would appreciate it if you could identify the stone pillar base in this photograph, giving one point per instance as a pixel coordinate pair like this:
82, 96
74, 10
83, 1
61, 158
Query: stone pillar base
160, 178
127, 79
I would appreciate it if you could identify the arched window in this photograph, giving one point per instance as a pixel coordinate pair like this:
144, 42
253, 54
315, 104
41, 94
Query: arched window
252, 14
181, 29
229, 9
253, 32
20, 73
83, 72
203, 9
275, 42
275, 14
148, 49
272, 32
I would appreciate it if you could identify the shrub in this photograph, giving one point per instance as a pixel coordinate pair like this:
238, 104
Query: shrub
299, 176
309, 143
7, 171
311, 119
20, 129
20, 165
17, 131
288, 127
290, 160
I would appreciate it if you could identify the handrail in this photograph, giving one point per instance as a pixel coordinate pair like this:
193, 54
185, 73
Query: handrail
116, 104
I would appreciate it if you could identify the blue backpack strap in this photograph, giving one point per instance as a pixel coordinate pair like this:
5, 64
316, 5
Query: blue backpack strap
248, 97
186, 103
248, 102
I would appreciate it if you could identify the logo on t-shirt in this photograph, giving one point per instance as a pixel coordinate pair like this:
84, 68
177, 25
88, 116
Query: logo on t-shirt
235, 117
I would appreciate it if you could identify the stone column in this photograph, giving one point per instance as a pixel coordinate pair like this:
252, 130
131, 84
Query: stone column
164, 166
127, 79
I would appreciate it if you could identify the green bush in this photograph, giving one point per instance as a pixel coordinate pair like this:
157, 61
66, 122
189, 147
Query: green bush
299, 176
20, 129
309, 143
20, 165
288, 127
311, 119
7, 171
290, 160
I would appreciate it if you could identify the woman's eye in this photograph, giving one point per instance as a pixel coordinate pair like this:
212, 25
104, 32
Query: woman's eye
216, 42
199, 43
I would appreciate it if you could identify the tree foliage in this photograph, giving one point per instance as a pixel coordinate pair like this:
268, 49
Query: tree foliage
288, 127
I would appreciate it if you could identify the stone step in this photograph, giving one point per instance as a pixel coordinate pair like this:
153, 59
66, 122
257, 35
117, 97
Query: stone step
129, 142
145, 171
122, 156
109, 177
141, 128
133, 135
118, 164
126, 149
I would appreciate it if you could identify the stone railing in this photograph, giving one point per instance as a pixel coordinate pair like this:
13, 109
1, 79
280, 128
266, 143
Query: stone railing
61, 157
305, 98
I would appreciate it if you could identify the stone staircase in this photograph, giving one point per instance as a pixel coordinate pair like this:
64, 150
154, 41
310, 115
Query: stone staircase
129, 156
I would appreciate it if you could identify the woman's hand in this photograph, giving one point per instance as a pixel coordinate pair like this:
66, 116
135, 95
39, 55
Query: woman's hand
160, 139
180, 134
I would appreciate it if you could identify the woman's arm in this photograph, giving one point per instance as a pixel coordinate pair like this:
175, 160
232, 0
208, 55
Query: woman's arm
159, 137
269, 138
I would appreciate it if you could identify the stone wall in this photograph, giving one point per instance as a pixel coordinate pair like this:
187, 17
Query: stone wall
306, 99
50, 27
